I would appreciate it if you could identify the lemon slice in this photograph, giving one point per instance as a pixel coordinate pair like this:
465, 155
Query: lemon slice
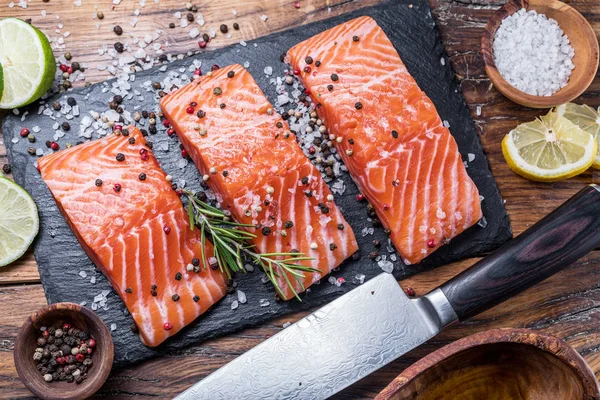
27, 62
549, 149
19, 221
584, 117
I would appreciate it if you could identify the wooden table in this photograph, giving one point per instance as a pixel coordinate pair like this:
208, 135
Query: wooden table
567, 305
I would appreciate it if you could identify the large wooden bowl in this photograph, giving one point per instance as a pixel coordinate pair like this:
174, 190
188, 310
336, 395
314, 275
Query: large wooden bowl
580, 33
498, 364
81, 318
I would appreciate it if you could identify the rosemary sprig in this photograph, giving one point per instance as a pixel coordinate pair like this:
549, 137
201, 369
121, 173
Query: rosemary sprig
230, 241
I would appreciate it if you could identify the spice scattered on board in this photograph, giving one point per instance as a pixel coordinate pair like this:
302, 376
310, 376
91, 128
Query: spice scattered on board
533, 53
64, 353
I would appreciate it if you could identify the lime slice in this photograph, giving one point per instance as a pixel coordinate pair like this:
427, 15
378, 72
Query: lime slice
549, 149
584, 117
27, 62
19, 222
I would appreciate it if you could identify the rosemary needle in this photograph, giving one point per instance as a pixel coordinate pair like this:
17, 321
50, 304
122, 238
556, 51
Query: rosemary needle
230, 241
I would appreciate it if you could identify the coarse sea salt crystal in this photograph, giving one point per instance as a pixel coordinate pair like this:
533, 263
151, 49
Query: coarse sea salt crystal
386, 266
286, 324
532, 53
113, 327
241, 296
234, 304
264, 303
359, 279
83, 274
471, 157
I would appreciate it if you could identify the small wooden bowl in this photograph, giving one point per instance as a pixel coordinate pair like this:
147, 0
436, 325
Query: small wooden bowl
580, 33
81, 318
498, 364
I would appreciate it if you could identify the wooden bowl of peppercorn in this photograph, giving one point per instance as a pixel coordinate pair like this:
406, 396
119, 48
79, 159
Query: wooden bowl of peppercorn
52, 374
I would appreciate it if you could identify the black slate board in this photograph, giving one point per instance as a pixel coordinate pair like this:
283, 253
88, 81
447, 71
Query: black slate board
60, 258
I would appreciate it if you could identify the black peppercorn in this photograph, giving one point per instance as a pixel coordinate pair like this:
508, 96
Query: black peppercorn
223, 28
355, 38
142, 176
236, 26
395, 134
334, 77
266, 231
171, 25
71, 101
190, 17
120, 157
6, 168
175, 297
288, 224
98, 182
118, 30
231, 74
308, 60
178, 276
358, 105
330, 87
65, 126
119, 47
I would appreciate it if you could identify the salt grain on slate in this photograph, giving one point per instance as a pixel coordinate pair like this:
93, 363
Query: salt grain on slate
241, 296
532, 53
264, 303
359, 279
386, 266
234, 304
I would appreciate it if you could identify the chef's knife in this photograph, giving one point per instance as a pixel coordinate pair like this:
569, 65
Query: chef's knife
376, 323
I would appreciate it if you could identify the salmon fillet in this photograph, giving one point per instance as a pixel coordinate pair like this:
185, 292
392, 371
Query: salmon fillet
393, 142
138, 236
252, 161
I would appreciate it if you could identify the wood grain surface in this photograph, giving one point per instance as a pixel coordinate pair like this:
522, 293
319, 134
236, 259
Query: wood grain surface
566, 305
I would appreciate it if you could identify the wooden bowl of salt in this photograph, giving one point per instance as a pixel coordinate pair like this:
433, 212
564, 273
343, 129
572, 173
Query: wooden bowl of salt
582, 39
502, 364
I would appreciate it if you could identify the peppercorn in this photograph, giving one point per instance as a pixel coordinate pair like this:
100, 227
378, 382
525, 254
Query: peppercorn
117, 187
56, 106
231, 74
65, 126
266, 231
334, 77
358, 105
118, 99
330, 87
395, 134
308, 60
317, 63
332, 246
31, 138
222, 105
175, 297
6, 168
355, 38
236, 26
288, 224
223, 28
76, 67
190, 17
279, 124
120, 157
118, 30
217, 91
178, 276
100, 15
196, 298
119, 47
71, 101
171, 25
205, 37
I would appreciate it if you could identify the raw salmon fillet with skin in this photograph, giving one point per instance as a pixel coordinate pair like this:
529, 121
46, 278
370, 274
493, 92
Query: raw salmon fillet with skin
401, 156
259, 171
124, 233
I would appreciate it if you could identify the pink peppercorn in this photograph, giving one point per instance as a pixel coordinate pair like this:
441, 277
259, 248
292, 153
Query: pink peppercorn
166, 123
167, 326
410, 291
431, 243
80, 357
386, 207
24, 132
307, 69
189, 110
296, 72
360, 197
214, 67
167, 230
311, 150
184, 153
54, 146
144, 156
118, 128
63, 67
70, 70
202, 44
198, 72
117, 187
296, 4
60, 360
91, 343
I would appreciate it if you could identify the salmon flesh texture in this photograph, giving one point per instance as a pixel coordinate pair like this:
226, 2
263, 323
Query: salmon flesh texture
394, 144
138, 236
260, 174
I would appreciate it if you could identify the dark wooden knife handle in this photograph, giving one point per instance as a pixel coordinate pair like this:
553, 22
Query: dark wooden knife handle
556, 241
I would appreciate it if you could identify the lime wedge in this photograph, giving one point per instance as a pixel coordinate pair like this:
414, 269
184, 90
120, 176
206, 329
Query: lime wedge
19, 222
27, 62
